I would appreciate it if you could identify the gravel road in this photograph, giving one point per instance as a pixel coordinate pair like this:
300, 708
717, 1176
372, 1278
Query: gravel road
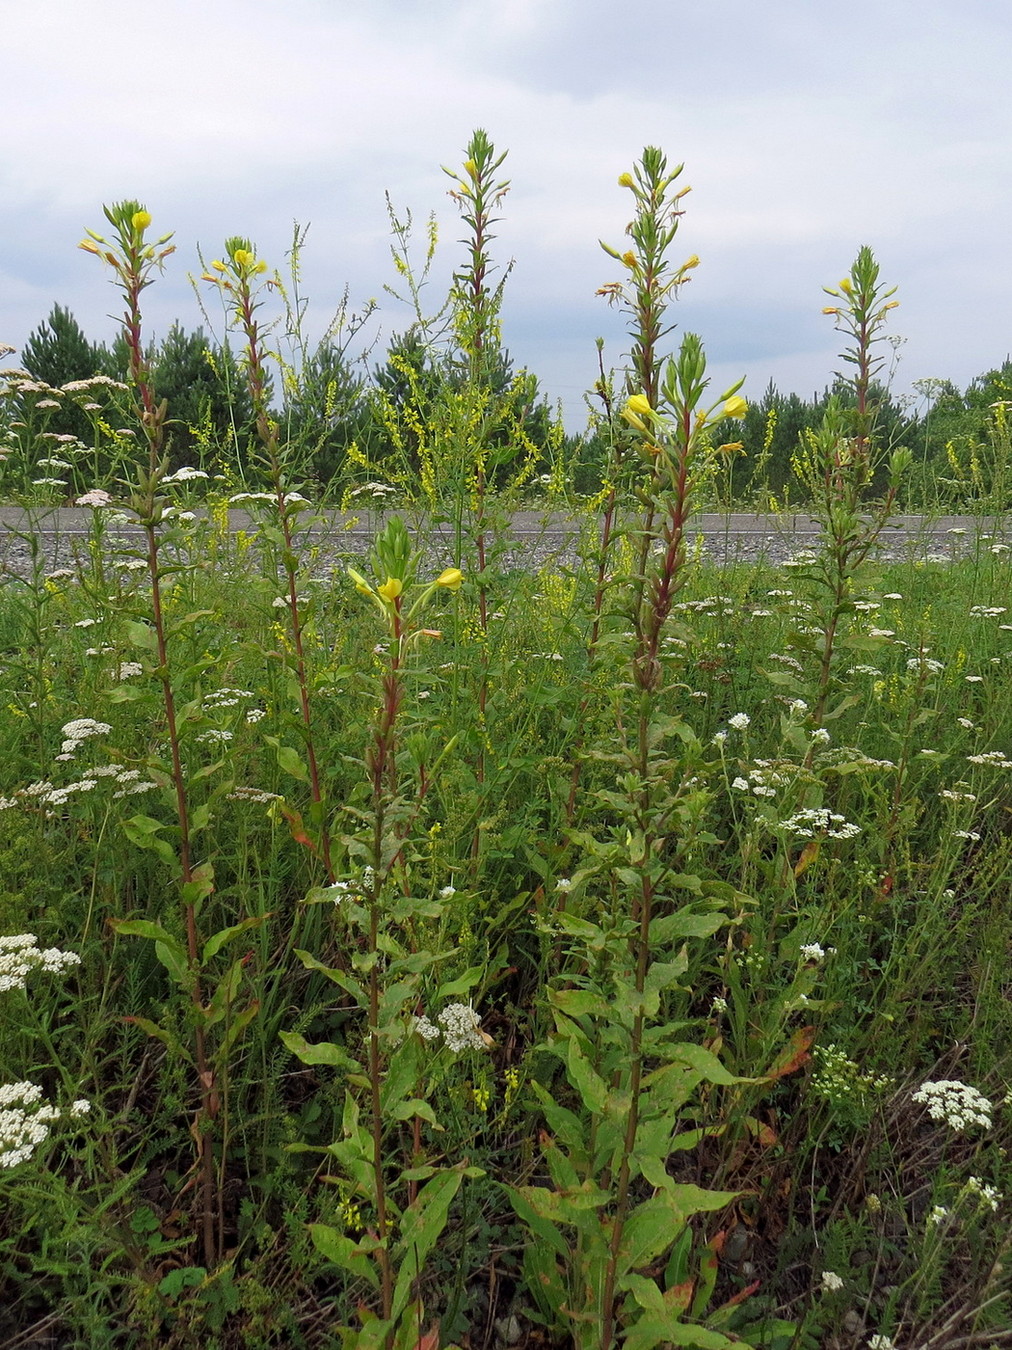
536, 537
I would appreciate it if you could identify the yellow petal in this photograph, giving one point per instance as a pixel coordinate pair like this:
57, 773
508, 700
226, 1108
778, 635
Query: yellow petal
639, 404
451, 578
140, 220
391, 588
735, 407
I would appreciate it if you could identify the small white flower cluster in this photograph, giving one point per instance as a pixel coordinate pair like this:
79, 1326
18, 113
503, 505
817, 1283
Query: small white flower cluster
216, 736
881, 1342
25, 1120
225, 698
762, 781
993, 759
925, 664
96, 497
989, 1197
739, 721
79, 730
986, 611
184, 475
126, 670
20, 954
459, 1025
840, 1081
814, 951
252, 794
958, 1104
831, 1282
813, 820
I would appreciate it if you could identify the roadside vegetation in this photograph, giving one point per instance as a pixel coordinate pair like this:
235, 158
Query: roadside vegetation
426, 951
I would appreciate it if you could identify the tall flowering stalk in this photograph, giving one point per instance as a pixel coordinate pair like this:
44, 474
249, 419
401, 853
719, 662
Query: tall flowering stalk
133, 261
652, 281
238, 277
838, 463
387, 1084
644, 295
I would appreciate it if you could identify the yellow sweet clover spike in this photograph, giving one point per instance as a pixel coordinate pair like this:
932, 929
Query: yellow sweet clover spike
140, 220
451, 579
361, 584
735, 407
391, 589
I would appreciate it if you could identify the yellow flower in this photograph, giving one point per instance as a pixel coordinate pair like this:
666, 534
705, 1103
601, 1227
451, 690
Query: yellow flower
391, 589
830, 309
626, 180
637, 407
735, 407
242, 258
451, 579
846, 286
140, 220
629, 259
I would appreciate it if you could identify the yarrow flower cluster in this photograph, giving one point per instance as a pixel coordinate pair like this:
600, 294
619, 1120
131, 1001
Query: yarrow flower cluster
813, 820
20, 954
958, 1104
458, 1024
79, 730
25, 1120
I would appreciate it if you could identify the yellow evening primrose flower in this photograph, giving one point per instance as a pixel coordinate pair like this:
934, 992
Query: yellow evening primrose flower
391, 588
639, 404
451, 578
626, 180
735, 407
140, 220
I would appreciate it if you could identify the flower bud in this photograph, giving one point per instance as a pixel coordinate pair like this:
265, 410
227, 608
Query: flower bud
639, 404
735, 407
626, 180
361, 585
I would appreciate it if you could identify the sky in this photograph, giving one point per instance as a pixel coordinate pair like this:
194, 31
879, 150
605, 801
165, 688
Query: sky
807, 128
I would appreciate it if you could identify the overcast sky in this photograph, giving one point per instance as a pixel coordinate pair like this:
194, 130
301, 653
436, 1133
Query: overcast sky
807, 129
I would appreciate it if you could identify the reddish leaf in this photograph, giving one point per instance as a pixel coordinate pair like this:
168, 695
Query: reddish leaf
794, 1055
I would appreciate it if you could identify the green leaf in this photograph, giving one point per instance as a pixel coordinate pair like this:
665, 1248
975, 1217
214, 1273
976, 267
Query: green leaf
585, 1078
322, 1052
648, 1233
422, 1224
169, 950
216, 941
143, 831
289, 760
141, 635
340, 1249
670, 927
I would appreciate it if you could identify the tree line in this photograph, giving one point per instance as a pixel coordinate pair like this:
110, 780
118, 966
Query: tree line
353, 420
